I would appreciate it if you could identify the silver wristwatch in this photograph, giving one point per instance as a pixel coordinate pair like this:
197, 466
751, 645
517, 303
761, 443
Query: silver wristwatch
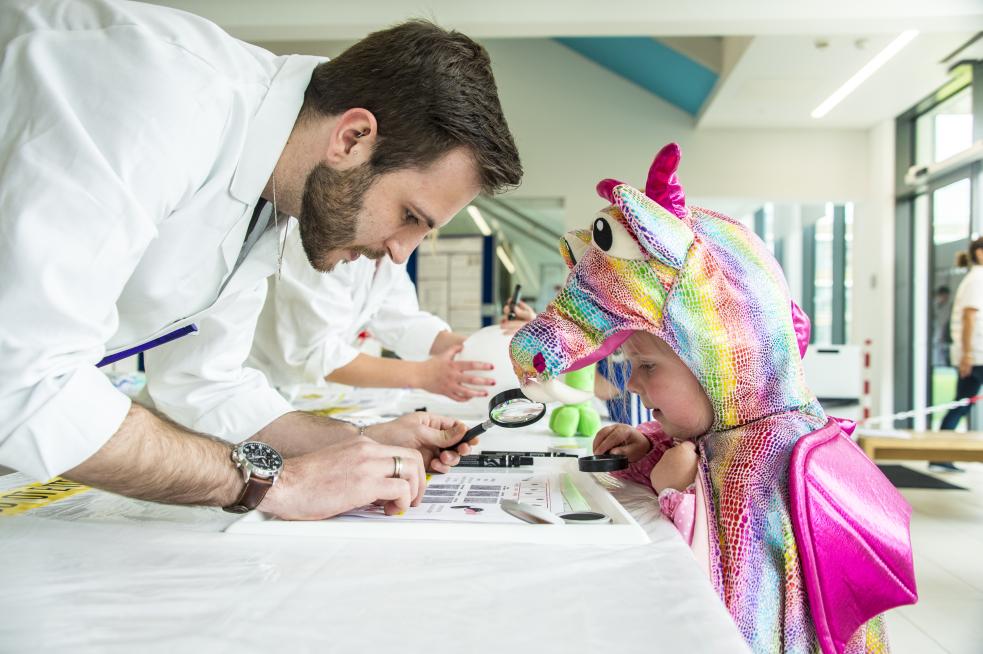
260, 465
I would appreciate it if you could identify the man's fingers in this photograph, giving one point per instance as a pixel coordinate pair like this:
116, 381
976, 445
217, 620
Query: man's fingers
445, 423
394, 494
410, 469
449, 457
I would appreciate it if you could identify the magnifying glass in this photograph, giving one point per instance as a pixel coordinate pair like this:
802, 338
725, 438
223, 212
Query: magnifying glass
508, 409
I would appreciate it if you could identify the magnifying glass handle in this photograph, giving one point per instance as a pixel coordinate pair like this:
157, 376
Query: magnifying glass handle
473, 433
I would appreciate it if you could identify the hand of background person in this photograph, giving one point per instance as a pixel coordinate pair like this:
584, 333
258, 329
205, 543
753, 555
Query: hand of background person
965, 365
344, 476
428, 434
443, 375
622, 439
523, 314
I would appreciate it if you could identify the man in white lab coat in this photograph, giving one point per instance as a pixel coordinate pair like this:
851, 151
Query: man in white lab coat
148, 163
309, 329
309, 326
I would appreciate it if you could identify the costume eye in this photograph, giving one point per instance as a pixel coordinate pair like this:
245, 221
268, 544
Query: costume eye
612, 238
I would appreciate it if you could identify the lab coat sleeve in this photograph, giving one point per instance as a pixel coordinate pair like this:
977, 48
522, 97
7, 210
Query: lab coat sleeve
312, 314
200, 381
400, 325
86, 171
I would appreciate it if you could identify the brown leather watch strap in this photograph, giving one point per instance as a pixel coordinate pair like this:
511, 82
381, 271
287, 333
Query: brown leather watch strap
251, 495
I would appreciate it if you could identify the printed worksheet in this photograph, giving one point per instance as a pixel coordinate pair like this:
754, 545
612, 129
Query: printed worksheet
475, 497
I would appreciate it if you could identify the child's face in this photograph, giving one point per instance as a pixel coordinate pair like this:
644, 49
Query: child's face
667, 387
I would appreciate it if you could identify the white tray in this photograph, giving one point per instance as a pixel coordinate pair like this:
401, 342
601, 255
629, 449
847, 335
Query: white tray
622, 530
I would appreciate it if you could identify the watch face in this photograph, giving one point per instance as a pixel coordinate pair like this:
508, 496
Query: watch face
262, 456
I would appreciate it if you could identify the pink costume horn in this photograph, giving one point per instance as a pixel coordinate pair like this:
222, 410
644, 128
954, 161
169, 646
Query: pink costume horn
663, 185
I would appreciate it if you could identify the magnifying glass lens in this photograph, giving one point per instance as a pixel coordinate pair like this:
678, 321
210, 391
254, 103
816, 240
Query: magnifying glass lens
517, 411
507, 409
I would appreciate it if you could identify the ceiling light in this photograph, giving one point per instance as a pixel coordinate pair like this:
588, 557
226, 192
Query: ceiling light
881, 58
479, 221
504, 258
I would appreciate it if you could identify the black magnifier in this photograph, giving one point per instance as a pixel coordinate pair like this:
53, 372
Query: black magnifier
602, 463
508, 409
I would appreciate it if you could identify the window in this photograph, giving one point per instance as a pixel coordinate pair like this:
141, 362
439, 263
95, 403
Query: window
946, 129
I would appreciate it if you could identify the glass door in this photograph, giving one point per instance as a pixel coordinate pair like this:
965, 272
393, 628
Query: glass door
950, 204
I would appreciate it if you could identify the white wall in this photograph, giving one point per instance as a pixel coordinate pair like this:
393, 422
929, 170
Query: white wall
873, 266
576, 123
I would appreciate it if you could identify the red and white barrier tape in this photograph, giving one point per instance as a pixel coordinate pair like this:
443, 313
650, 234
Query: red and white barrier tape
938, 408
865, 392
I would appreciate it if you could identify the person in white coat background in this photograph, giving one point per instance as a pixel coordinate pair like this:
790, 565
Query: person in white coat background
307, 332
148, 163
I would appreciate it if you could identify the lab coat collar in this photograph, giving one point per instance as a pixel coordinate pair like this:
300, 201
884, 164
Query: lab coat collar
271, 127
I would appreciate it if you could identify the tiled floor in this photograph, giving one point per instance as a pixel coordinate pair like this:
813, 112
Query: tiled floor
947, 533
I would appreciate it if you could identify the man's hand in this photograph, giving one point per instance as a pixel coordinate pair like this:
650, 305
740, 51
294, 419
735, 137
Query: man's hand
345, 476
622, 439
428, 434
442, 375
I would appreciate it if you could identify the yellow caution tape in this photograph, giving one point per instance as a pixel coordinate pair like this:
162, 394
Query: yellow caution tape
34, 496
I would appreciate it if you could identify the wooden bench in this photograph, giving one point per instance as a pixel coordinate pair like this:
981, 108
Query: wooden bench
922, 445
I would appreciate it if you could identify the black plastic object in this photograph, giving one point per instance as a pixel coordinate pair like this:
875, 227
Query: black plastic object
602, 463
508, 409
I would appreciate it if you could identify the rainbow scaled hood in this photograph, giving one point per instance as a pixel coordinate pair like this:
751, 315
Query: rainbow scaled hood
700, 281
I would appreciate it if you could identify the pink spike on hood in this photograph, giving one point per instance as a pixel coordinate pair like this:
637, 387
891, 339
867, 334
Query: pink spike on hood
663, 185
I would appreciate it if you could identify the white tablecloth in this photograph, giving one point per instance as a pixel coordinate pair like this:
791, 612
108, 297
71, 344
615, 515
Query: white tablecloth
108, 574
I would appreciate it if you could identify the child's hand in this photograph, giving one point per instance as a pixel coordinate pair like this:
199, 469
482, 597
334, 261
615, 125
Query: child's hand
676, 469
622, 439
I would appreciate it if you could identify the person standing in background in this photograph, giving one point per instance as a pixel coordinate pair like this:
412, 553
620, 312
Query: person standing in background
308, 330
941, 339
966, 330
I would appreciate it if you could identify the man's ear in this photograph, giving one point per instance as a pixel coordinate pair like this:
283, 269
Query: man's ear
352, 139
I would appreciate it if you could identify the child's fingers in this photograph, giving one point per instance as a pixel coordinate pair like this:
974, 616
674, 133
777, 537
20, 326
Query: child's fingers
609, 439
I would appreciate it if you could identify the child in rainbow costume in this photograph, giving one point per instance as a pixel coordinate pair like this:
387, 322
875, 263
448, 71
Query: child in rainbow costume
801, 536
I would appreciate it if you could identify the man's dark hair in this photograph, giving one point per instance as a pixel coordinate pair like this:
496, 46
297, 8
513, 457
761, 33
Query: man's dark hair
431, 90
